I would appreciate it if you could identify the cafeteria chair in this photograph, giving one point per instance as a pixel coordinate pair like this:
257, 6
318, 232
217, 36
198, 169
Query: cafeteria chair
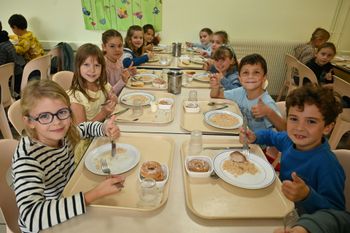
343, 157
6, 72
282, 107
41, 64
4, 125
15, 116
292, 64
7, 196
63, 78
342, 124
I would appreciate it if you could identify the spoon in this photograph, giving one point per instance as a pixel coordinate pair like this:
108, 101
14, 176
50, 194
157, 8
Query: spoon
212, 103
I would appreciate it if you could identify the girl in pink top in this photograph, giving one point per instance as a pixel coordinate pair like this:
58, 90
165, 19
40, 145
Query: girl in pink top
112, 45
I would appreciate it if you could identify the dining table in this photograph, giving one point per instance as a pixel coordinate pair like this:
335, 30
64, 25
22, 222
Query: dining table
187, 204
341, 67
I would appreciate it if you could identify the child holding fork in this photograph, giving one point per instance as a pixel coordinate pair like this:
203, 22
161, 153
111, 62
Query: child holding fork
312, 176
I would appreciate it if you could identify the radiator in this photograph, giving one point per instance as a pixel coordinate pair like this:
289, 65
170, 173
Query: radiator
274, 53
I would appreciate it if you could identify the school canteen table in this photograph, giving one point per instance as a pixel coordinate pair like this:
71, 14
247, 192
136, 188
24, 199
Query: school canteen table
172, 217
173, 127
342, 69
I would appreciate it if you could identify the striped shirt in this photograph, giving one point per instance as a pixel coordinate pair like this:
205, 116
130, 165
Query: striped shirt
40, 174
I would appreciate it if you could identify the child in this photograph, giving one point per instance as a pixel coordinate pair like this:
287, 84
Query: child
27, 45
7, 55
327, 220
43, 162
151, 39
321, 63
205, 37
225, 63
112, 45
254, 102
91, 95
134, 52
312, 176
306, 52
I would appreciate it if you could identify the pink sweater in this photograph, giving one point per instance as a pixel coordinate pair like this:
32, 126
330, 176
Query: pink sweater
114, 75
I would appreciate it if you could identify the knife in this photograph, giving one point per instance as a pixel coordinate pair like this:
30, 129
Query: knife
114, 148
120, 112
226, 106
223, 147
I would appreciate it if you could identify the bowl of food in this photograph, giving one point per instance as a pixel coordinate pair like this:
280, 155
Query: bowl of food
191, 106
159, 83
199, 166
153, 169
165, 103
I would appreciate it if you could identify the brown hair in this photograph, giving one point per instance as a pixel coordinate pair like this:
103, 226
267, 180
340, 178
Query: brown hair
226, 51
253, 59
320, 33
328, 45
207, 30
326, 100
39, 89
223, 35
128, 44
78, 82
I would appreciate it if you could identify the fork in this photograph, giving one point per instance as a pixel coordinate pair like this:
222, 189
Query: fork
246, 151
104, 167
290, 219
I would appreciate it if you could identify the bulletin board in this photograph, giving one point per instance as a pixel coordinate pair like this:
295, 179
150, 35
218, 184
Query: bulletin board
121, 14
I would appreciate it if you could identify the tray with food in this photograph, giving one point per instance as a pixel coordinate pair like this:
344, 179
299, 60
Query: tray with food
222, 183
196, 79
148, 80
217, 116
186, 62
154, 107
138, 161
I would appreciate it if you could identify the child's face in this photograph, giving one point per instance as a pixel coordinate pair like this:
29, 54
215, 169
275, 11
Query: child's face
50, 134
306, 128
90, 70
252, 77
217, 42
137, 39
204, 38
113, 48
324, 56
149, 35
222, 65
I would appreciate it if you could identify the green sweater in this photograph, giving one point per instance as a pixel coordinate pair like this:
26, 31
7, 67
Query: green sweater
326, 221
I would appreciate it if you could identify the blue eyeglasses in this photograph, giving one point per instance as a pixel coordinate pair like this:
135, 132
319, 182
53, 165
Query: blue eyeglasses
45, 118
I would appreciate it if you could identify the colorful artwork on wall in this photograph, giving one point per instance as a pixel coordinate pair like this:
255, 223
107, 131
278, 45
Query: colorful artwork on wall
120, 14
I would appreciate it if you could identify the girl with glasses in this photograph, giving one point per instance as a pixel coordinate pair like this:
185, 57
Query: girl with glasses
44, 161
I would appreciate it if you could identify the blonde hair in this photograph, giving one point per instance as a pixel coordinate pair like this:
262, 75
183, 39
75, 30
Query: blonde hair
39, 89
79, 83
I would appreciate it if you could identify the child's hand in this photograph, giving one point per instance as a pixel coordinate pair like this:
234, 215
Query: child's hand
329, 76
112, 184
207, 64
150, 54
189, 44
296, 189
249, 135
214, 82
132, 69
204, 53
111, 130
149, 47
260, 109
218, 76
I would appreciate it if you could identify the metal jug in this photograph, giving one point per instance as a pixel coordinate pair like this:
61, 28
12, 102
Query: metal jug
174, 81
176, 49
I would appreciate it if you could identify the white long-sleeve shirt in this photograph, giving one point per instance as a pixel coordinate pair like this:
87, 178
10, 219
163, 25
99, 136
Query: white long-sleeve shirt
40, 174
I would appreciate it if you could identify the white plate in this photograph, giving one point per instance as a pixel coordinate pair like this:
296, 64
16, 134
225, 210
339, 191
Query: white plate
146, 78
123, 162
203, 77
208, 116
158, 48
129, 97
197, 60
155, 59
263, 178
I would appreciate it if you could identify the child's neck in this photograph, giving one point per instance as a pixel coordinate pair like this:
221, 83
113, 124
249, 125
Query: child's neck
92, 86
254, 94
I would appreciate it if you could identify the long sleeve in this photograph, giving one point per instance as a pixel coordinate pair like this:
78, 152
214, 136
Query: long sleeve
230, 81
40, 174
91, 129
129, 57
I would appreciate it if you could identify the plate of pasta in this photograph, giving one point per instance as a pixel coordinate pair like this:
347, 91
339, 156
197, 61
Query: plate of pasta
127, 157
253, 173
223, 119
144, 97
203, 77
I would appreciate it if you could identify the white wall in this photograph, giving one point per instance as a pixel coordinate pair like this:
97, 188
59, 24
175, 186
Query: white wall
287, 20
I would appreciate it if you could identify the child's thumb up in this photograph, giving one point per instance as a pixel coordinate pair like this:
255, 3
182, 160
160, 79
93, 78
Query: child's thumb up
296, 178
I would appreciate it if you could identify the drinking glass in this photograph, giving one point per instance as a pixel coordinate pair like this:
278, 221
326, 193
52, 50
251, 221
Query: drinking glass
137, 108
163, 60
196, 143
192, 96
149, 193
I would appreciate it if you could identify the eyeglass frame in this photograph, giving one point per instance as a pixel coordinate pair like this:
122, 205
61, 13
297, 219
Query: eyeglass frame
52, 115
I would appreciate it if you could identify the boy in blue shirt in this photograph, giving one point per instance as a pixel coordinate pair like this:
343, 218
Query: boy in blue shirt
311, 174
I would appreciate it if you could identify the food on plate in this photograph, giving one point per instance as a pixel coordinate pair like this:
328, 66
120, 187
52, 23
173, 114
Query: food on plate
239, 168
203, 78
198, 165
152, 169
185, 61
192, 105
143, 99
224, 120
237, 157
158, 82
121, 150
164, 102
190, 72
137, 84
145, 78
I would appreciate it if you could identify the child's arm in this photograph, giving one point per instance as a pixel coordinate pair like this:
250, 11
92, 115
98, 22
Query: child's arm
262, 110
215, 89
295, 189
22, 46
